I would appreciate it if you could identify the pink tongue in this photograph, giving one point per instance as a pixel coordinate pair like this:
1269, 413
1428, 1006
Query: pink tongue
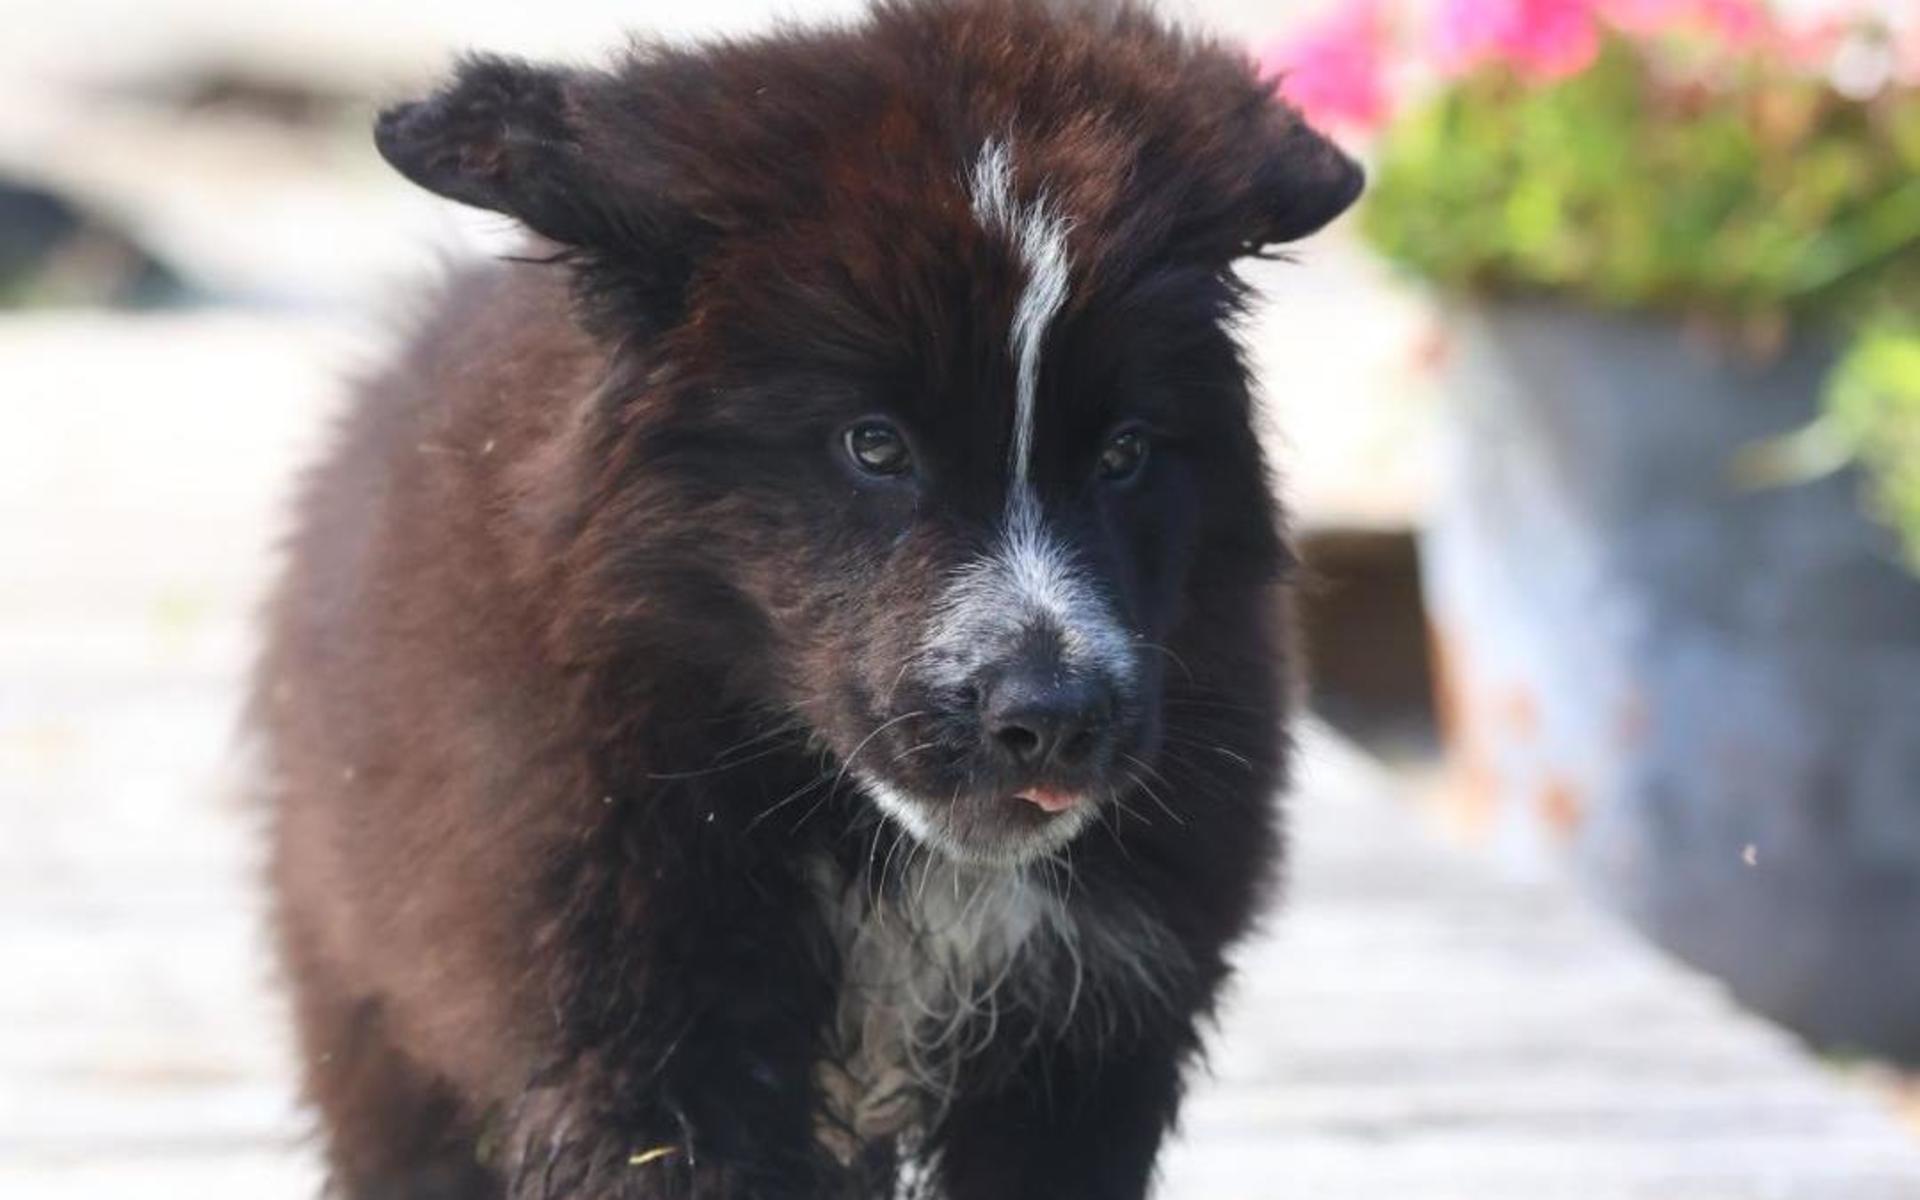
1049, 800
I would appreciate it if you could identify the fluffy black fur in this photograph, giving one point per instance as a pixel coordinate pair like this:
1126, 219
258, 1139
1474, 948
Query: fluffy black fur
597, 656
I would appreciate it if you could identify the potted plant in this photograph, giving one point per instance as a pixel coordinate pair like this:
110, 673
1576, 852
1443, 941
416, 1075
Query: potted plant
1653, 227
1873, 417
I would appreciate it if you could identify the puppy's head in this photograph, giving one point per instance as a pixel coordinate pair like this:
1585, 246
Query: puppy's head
920, 365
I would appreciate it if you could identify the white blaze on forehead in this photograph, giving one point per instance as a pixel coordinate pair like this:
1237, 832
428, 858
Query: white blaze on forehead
1039, 235
1029, 567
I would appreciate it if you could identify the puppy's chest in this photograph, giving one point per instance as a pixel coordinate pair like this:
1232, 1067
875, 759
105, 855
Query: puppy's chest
929, 973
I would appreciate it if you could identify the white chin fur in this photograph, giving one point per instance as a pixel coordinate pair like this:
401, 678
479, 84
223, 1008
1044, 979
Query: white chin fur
918, 820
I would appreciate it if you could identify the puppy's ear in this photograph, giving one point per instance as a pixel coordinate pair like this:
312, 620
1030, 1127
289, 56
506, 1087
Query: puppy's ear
1249, 174
559, 151
501, 135
1301, 181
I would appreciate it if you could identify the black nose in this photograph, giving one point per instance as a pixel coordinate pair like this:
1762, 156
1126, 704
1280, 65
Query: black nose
1040, 719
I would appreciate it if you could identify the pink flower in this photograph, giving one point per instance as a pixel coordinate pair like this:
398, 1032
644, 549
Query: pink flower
1739, 24
1542, 39
1810, 46
1335, 72
1736, 24
1645, 17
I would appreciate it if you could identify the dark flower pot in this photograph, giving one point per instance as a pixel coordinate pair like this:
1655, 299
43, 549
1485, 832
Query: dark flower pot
1707, 691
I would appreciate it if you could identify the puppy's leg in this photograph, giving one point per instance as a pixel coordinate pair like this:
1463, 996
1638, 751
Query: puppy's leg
690, 1023
722, 1111
1072, 1124
394, 1132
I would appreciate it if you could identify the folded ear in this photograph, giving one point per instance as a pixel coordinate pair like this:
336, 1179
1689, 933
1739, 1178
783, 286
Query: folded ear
1301, 181
545, 146
501, 135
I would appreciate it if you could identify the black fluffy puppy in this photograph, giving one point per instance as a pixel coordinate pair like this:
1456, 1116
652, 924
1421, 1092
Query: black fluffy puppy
779, 693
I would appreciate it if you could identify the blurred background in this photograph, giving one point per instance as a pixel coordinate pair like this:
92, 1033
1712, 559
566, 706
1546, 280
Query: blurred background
1600, 421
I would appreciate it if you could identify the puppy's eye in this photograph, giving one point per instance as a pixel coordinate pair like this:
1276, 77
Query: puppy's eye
1123, 456
878, 449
